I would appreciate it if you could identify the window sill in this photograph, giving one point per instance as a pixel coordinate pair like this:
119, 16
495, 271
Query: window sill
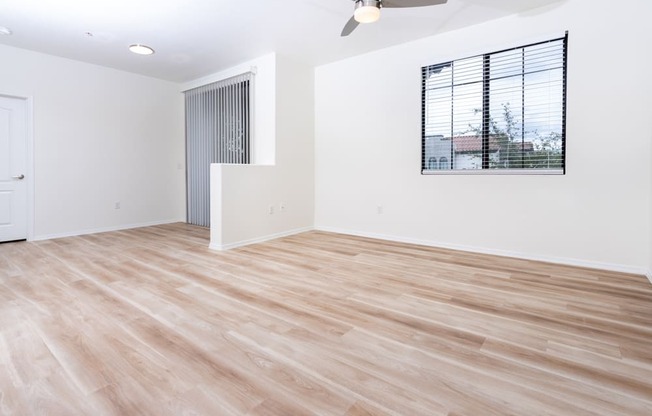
494, 172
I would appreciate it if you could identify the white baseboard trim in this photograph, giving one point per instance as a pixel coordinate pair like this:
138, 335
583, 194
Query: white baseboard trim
649, 275
103, 230
223, 247
502, 253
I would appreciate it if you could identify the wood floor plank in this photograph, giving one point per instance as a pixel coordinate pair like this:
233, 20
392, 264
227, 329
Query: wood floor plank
150, 321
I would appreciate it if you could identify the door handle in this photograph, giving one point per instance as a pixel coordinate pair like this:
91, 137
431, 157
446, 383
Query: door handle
21, 176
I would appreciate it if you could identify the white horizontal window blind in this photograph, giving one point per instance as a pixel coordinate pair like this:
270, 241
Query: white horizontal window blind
218, 130
500, 112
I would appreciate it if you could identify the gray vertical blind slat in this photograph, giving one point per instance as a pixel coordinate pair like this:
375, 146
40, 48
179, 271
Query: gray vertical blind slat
217, 131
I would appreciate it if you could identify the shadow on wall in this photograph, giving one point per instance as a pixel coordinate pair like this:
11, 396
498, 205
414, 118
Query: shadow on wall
535, 7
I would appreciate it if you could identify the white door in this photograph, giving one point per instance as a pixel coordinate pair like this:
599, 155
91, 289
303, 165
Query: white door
13, 169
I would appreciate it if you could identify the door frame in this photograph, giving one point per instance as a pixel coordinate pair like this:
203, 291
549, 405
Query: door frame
29, 174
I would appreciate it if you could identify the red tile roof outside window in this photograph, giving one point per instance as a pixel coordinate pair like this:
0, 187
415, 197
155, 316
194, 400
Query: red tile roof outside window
473, 144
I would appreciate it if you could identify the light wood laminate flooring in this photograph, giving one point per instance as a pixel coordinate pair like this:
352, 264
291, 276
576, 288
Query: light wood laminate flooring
150, 322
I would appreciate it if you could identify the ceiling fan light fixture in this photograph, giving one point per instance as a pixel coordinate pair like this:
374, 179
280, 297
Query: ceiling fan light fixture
367, 11
139, 49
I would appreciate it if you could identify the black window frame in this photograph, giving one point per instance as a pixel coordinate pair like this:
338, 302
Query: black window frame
485, 116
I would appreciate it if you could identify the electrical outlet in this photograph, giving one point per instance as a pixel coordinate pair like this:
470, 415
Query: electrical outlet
281, 206
379, 209
117, 205
270, 211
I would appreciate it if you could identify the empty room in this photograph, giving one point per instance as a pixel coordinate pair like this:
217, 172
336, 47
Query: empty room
311, 207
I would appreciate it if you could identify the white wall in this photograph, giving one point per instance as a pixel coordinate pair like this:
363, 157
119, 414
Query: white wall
598, 214
101, 136
649, 270
241, 195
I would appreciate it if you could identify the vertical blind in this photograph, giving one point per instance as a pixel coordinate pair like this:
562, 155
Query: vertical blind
503, 110
218, 130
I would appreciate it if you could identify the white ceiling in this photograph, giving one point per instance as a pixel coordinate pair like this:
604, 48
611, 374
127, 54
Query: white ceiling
193, 38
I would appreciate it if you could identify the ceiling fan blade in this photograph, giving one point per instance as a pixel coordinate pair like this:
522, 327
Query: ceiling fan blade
349, 27
411, 3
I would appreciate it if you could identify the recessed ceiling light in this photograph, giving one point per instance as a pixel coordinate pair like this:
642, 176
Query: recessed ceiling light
141, 49
5, 31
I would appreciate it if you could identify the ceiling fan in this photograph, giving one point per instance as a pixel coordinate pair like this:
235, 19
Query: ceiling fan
368, 11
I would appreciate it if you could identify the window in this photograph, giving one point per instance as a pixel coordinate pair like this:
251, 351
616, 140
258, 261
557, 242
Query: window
501, 112
218, 130
432, 163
